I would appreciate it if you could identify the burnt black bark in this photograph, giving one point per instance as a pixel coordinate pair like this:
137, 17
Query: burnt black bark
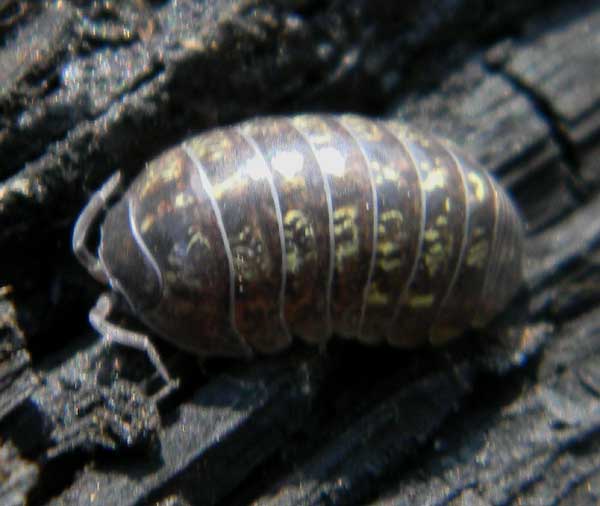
508, 416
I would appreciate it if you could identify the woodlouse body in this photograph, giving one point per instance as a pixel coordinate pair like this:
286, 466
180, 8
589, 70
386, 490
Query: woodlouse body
241, 237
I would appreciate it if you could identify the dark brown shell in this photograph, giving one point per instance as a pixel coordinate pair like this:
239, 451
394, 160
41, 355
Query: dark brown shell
243, 237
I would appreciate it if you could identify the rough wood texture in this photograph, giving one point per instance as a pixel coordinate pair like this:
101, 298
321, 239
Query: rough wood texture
508, 417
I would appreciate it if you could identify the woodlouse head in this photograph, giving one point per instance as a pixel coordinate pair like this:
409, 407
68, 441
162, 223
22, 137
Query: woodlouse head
118, 263
129, 271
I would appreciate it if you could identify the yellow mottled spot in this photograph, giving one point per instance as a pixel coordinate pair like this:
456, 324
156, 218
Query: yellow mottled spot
294, 185
147, 222
363, 129
425, 166
201, 146
214, 147
391, 215
344, 218
447, 204
248, 261
410, 134
431, 234
421, 301
397, 129
434, 257
441, 221
170, 276
423, 141
218, 151
300, 121
478, 185
293, 262
346, 233
375, 166
388, 173
244, 233
184, 200
171, 171
374, 133
435, 179
477, 254
197, 238
389, 223
316, 129
297, 220
296, 224
150, 180
235, 182
321, 137
387, 248
388, 265
376, 297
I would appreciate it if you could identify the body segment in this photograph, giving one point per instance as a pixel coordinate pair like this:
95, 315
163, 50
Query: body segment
242, 238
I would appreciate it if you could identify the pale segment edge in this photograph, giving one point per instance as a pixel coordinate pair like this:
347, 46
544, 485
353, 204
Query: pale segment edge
328, 197
142, 243
417, 259
207, 186
277, 204
493, 245
375, 225
464, 241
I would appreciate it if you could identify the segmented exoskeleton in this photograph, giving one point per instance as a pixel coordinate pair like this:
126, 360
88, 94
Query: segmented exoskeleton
242, 237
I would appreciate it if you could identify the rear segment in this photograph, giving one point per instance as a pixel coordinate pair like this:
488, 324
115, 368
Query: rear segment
442, 229
490, 273
504, 270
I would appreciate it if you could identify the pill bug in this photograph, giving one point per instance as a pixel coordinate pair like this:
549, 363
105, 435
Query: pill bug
242, 237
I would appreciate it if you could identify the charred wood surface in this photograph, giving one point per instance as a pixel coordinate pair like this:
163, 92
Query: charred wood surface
507, 416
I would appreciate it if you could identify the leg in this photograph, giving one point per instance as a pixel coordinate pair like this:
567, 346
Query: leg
82, 226
129, 338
